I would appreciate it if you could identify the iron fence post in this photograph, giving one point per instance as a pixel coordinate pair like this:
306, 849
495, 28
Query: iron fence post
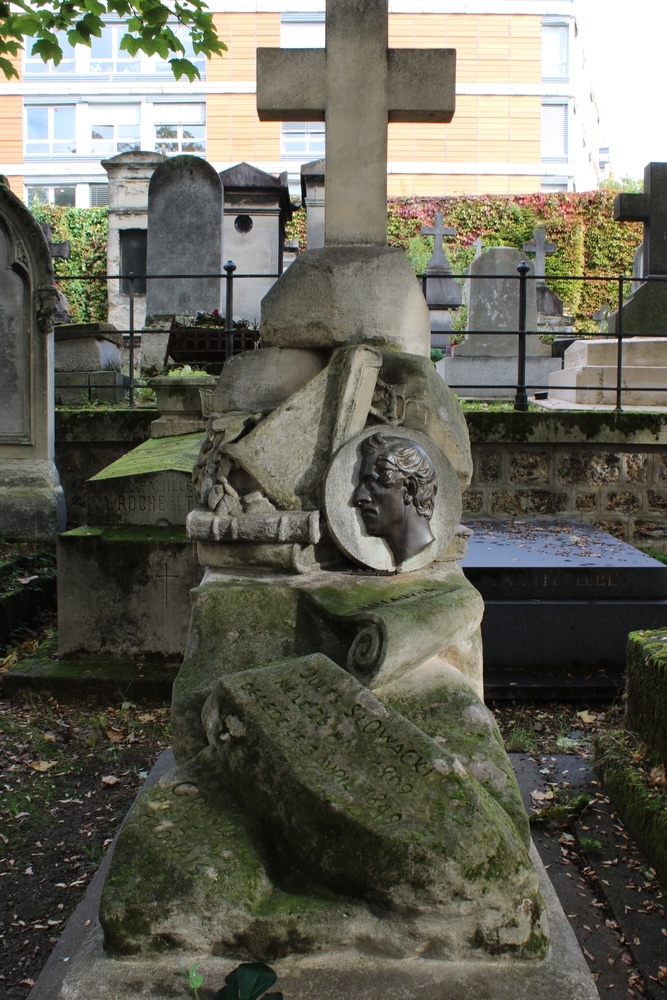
229, 269
619, 345
521, 397
131, 326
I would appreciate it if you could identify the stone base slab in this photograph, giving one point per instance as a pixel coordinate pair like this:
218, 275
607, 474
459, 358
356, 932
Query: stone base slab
90, 974
643, 352
32, 502
641, 385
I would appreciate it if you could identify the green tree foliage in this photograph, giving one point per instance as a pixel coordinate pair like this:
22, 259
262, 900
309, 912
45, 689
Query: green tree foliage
582, 226
148, 29
87, 230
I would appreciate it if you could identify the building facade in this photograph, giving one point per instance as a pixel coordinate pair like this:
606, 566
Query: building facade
526, 118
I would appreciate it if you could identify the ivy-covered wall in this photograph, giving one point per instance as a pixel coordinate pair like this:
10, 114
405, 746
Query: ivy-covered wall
86, 229
589, 242
582, 226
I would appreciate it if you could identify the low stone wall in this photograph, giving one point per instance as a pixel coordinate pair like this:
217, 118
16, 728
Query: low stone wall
606, 468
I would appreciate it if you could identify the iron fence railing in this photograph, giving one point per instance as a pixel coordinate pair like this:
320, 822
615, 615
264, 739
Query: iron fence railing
519, 388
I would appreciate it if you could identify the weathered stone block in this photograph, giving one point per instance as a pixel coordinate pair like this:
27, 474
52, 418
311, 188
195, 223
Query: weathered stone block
528, 502
623, 503
586, 502
646, 530
338, 296
528, 467
590, 468
656, 500
488, 467
473, 501
141, 579
636, 467
618, 529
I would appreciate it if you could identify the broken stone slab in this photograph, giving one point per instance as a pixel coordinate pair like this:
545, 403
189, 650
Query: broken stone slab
369, 805
355, 830
342, 295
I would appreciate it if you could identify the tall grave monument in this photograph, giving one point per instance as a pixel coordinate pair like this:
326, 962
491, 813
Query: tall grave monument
341, 792
32, 504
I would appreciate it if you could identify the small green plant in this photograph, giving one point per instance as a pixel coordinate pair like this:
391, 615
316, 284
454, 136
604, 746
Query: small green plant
521, 740
194, 978
591, 845
186, 371
564, 807
436, 355
249, 981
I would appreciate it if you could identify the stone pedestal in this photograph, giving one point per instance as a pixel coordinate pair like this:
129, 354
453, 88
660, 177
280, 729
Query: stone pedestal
589, 374
32, 504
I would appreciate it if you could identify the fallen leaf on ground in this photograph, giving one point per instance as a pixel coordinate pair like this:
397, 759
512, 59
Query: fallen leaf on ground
110, 779
587, 717
41, 765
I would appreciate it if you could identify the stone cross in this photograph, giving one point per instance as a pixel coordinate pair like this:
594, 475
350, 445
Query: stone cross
600, 317
479, 246
438, 231
357, 84
539, 246
61, 250
651, 209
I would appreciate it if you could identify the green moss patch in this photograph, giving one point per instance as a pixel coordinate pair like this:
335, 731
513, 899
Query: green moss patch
155, 455
638, 792
647, 690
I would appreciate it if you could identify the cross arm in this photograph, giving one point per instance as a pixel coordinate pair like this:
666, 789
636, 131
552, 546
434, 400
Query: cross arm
421, 85
631, 207
291, 84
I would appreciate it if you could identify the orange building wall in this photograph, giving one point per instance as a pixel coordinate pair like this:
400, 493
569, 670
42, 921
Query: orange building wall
243, 34
11, 129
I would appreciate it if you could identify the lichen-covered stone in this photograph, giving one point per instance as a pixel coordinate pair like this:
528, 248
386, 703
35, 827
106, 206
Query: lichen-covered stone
529, 467
439, 700
646, 704
527, 502
353, 796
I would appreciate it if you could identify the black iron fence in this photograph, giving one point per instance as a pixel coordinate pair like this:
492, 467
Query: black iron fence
517, 389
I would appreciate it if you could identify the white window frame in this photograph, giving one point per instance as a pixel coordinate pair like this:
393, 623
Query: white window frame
559, 68
46, 146
299, 140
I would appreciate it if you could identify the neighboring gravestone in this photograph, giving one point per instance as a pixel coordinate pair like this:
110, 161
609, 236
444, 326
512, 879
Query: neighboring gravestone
134, 555
312, 195
88, 364
441, 291
486, 361
257, 207
185, 206
129, 176
32, 505
645, 312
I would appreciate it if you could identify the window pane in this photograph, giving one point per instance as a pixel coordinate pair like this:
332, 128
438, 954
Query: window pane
555, 51
37, 195
102, 132
63, 122
38, 123
64, 195
165, 131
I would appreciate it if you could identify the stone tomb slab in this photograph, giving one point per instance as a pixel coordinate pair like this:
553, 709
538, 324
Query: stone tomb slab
80, 969
151, 485
560, 599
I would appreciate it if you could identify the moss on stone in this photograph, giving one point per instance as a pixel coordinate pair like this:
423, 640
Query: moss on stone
565, 427
642, 808
646, 705
177, 453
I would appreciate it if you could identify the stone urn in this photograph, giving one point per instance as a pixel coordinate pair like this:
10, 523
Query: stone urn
183, 402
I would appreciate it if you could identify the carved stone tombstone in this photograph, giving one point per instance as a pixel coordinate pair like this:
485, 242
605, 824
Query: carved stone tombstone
185, 206
32, 505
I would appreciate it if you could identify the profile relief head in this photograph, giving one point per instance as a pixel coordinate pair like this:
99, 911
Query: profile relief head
395, 494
